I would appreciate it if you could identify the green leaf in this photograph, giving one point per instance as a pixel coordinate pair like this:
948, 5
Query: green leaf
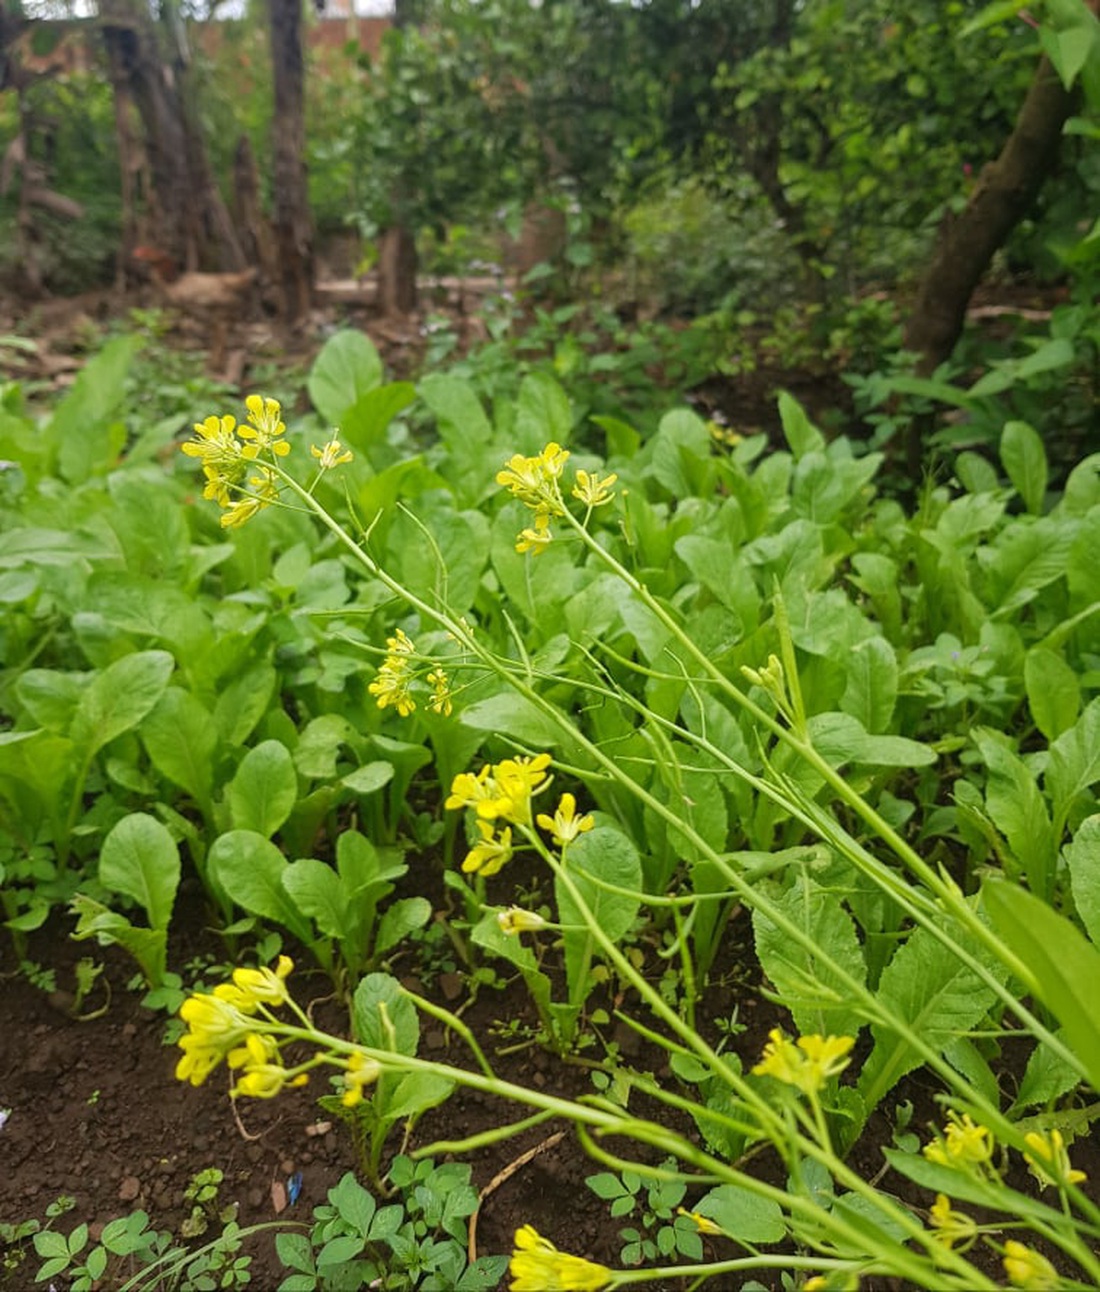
147, 946
354, 1204
1083, 859
1046, 1078
816, 997
119, 697
250, 870
457, 409
399, 920
543, 414
606, 855
383, 1016
369, 778
1063, 967
746, 1215
872, 684
243, 702
799, 432
841, 739
140, 860
935, 995
317, 892
181, 737
1017, 809
347, 368
1053, 692
1074, 765
263, 792
365, 423
85, 429
1025, 461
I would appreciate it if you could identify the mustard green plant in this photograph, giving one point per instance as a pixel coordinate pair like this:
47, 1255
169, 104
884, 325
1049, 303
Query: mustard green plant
827, 1223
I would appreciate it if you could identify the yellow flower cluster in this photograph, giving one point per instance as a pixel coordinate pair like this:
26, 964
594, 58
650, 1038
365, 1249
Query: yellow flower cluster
952, 1227
536, 482
1027, 1268
538, 1266
228, 1024
226, 452
235, 1023
807, 1064
1049, 1161
964, 1144
399, 670
503, 793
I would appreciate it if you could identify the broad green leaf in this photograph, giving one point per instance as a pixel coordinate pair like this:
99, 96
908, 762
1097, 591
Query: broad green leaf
181, 737
364, 424
85, 430
1046, 1078
147, 946
814, 993
841, 739
872, 685
1083, 859
119, 697
739, 1211
383, 1016
399, 920
1053, 692
347, 368
140, 860
369, 778
603, 854
681, 453
250, 869
937, 997
243, 702
1062, 966
543, 414
514, 716
1017, 809
414, 1094
319, 746
1025, 462
264, 790
1074, 765
457, 409
354, 1204
799, 432
51, 697
317, 892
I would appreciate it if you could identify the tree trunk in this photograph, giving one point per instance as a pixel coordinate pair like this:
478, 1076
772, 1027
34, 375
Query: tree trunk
293, 225
397, 260
186, 213
965, 246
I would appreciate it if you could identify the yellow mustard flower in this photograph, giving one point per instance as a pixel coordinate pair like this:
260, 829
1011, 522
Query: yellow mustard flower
488, 856
592, 490
216, 443
703, 1224
952, 1227
535, 540
265, 491
251, 988
806, 1065
395, 675
516, 920
361, 1071
565, 825
441, 693
534, 481
214, 1027
538, 1266
262, 1076
517, 779
264, 426
333, 454
1027, 1268
478, 792
963, 1144
1049, 1161
837, 1281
